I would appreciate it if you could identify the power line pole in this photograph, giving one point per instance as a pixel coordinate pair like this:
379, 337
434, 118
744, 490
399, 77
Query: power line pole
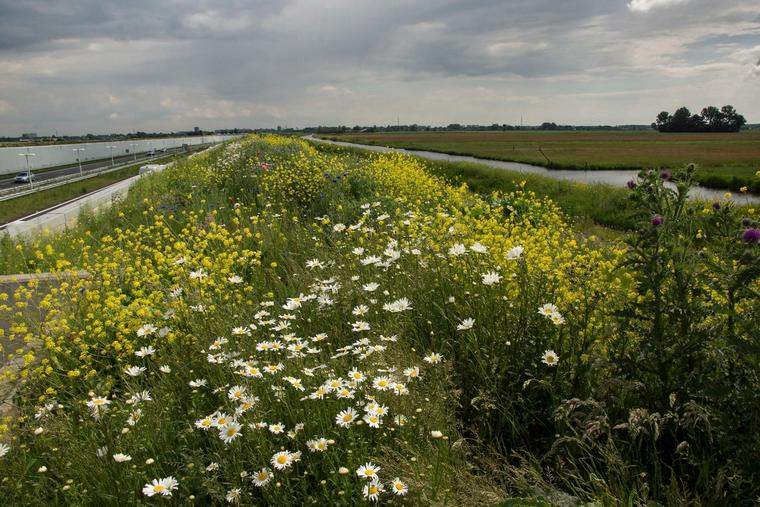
78, 159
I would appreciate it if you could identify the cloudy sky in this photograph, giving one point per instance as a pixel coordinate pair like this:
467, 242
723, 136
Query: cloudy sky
100, 66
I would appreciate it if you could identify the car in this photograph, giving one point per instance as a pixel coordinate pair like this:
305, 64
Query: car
24, 177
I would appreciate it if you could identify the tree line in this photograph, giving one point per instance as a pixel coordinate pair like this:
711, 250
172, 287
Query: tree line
711, 119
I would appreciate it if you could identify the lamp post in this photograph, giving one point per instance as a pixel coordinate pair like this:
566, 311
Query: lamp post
111, 148
134, 150
79, 160
28, 167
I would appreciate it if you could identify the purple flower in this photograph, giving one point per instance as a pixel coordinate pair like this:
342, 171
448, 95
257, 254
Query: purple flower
716, 205
751, 236
665, 175
631, 184
656, 220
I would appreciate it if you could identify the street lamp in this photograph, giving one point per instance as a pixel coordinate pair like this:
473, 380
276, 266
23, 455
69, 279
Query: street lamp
28, 167
111, 148
79, 160
134, 150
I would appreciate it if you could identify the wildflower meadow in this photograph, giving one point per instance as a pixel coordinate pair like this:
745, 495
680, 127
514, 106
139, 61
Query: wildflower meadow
275, 322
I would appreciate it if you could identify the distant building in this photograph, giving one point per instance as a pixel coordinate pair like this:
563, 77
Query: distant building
29, 135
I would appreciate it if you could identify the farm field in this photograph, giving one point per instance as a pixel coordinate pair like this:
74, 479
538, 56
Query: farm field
725, 160
280, 323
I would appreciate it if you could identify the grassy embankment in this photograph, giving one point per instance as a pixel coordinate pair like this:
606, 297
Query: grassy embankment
590, 206
725, 160
241, 303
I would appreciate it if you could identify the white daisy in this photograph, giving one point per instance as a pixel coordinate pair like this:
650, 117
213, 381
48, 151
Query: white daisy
163, 487
491, 278
550, 358
466, 324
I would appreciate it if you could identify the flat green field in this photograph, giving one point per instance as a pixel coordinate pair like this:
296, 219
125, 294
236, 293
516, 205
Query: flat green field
725, 160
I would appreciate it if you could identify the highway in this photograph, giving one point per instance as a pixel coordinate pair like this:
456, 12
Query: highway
6, 181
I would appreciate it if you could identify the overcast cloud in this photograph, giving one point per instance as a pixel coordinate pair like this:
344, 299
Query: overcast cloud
100, 66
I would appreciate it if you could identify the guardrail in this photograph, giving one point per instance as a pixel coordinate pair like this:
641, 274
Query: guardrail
12, 193
46, 184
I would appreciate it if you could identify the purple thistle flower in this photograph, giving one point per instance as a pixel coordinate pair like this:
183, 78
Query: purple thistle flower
665, 175
631, 184
716, 205
656, 220
751, 236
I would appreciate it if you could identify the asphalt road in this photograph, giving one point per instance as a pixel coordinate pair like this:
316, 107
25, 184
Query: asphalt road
6, 181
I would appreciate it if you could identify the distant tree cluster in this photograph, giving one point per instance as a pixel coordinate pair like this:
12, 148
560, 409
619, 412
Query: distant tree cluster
458, 127
712, 119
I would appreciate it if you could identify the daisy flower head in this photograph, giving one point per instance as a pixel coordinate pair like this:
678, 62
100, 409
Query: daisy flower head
235, 279
345, 418
356, 376
373, 420
146, 330
370, 287
233, 495
514, 253
163, 487
413, 372
398, 306
381, 383
433, 358
134, 371
478, 248
398, 487
372, 490
262, 477
146, 351
466, 324
282, 460
230, 431
236, 392
547, 310
368, 471
359, 326
4, 449
491, 278
550, 358
317, 445
458, 249
121, 458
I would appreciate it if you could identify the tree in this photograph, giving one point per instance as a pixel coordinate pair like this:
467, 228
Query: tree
734, 121
711, 119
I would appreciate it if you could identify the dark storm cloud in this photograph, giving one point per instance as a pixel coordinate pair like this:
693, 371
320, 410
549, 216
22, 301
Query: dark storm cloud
102, 65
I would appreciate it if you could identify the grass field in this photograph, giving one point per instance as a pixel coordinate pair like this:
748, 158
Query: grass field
725, 160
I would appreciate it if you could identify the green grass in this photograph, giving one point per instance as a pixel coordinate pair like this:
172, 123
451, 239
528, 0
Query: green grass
590, 206
725, 160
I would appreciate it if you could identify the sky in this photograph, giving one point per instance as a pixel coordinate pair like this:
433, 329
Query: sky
74, 66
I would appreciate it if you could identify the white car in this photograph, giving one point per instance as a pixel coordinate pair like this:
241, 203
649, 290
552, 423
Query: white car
24, 177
